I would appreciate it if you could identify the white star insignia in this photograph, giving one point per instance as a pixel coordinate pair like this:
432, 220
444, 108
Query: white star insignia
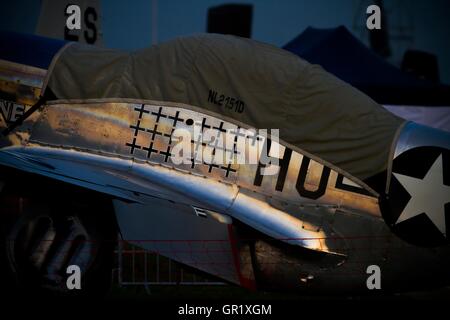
428, 195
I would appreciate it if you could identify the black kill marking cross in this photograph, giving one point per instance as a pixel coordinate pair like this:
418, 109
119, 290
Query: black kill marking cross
254, 137
228, 169
220, 128
137, 128
175, 119
211, 166
199, 142
159, 114
204, 125
150, 150
133, 145
141, 110
154, 132
236, 137
166, 154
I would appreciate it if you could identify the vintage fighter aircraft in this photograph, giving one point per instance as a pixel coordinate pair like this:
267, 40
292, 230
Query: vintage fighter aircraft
87, 146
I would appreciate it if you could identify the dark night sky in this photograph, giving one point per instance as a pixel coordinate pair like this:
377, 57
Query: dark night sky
127, 24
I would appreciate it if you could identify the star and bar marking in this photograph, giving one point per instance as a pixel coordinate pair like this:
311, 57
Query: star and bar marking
428, 195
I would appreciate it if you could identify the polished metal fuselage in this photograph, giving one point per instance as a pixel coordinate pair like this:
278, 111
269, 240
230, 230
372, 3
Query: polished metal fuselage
123, 148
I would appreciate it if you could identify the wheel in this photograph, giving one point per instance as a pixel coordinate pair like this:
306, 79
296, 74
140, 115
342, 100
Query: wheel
41, 236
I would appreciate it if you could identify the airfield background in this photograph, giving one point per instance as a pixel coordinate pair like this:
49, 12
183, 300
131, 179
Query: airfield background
417, 24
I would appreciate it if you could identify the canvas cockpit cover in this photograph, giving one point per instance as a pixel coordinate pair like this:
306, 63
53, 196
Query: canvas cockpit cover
314, 110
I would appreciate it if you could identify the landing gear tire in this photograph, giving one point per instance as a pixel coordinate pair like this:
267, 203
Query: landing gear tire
41, 237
